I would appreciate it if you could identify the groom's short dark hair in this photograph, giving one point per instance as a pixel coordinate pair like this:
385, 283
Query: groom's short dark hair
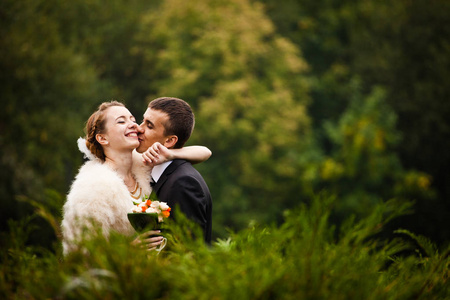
181, 117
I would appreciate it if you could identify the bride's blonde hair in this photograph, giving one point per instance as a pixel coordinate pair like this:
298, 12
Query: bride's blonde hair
96, 125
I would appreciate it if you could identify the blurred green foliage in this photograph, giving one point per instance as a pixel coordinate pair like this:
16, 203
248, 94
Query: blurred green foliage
292, 97
46, 91
307, 257
402, 47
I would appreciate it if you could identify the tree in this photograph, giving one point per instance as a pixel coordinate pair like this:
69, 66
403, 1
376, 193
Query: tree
401, 46
247, 87
363, 168
46, 91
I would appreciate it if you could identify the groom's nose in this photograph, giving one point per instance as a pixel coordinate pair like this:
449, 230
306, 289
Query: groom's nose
140, 128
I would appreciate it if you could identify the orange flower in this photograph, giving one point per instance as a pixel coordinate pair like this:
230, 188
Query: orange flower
166, 213
148, 202
143, 208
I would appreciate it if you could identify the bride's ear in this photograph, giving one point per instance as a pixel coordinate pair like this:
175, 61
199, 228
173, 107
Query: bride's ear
101, 139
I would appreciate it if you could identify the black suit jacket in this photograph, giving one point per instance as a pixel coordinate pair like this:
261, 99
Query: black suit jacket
181, 184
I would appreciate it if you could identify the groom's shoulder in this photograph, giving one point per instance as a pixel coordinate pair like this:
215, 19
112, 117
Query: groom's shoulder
184, 167
180, 164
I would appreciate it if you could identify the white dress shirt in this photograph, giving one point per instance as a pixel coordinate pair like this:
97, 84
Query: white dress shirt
159, 169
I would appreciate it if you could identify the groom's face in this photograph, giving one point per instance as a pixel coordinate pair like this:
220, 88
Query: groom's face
152, 129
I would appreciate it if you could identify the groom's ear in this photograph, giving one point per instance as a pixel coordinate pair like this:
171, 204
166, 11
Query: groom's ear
171, 141
101, 139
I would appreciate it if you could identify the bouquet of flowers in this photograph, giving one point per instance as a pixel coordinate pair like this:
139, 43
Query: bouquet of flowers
148, 213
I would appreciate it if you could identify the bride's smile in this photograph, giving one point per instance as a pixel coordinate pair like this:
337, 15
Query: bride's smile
121, 130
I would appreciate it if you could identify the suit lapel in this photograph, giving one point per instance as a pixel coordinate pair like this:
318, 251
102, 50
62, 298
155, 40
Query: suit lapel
167, 172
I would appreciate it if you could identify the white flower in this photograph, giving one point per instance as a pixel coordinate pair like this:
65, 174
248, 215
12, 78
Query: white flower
136, 209
163, 206
152, 210
156, 207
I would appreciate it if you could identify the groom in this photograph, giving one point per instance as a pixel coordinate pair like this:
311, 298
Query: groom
170, 121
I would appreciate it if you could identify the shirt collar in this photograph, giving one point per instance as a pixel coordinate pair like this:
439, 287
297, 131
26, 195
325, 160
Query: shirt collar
159, 169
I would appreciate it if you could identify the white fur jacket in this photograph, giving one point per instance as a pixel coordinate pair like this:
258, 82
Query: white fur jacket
98, 194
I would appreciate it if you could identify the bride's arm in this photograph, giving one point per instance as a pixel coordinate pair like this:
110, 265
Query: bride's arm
158, 154
194, 154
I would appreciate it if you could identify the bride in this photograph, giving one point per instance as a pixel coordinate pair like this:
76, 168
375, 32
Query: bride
103, 191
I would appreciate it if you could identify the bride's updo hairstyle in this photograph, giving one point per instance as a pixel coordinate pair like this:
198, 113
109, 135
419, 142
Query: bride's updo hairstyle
96, 125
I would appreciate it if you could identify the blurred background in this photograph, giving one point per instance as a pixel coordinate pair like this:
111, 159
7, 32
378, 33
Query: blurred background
293, 98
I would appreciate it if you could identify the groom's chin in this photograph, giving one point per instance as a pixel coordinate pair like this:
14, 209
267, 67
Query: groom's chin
140, 149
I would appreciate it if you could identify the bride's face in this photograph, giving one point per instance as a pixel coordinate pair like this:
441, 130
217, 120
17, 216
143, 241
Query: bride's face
121, 132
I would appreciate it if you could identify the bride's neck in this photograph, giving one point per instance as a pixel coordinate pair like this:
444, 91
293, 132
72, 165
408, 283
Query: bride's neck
121, 163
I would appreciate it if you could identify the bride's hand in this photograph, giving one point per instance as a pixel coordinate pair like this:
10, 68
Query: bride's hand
149, 240
156, 155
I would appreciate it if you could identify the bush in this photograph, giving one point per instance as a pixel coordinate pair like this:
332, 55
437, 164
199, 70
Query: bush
304, 258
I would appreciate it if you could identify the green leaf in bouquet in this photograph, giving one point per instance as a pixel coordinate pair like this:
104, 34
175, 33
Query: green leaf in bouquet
153, 196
